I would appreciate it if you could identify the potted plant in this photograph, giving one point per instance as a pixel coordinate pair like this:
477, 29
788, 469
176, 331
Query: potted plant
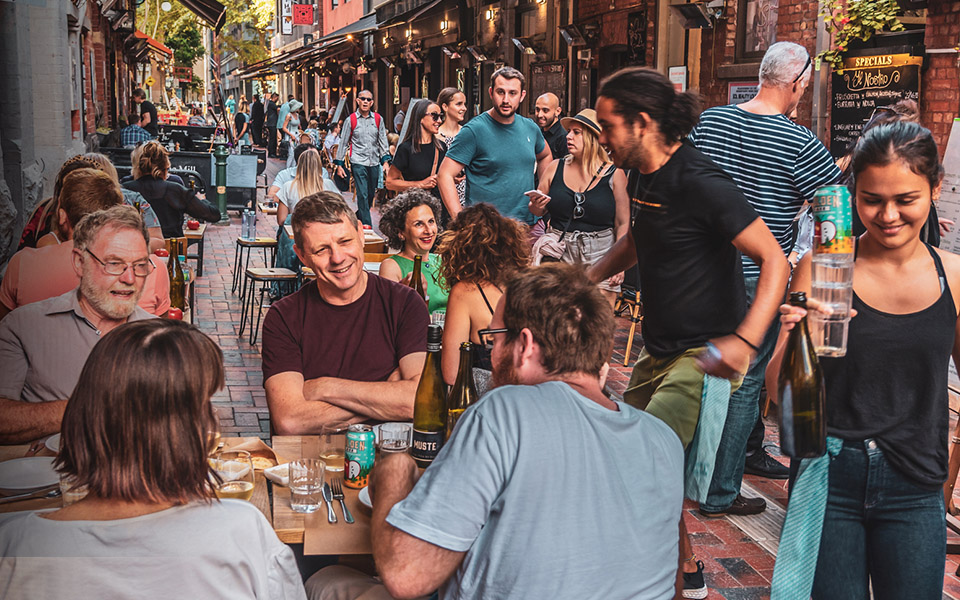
849, 20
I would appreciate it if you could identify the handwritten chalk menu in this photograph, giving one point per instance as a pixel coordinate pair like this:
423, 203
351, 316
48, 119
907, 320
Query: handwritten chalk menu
864, 83
548, 77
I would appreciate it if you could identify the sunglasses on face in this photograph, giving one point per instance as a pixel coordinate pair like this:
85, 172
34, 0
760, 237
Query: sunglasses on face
362, 99
438, 117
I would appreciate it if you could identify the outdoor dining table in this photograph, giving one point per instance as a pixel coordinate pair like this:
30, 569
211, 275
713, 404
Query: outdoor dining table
312, 530
195, 236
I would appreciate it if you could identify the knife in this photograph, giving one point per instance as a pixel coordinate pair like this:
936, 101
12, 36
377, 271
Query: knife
328, 498
47, 492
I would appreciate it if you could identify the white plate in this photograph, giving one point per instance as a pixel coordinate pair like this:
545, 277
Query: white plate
22, 474
53, 443
364, 497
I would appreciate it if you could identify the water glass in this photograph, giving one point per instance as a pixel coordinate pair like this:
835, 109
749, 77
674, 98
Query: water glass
395, 438
306, 484
70, 491
438, 317
333, 441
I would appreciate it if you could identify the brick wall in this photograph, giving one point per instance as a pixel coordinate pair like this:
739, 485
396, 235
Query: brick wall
613, 23
939, 95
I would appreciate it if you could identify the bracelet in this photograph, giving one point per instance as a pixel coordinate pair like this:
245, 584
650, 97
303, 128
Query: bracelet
747, 342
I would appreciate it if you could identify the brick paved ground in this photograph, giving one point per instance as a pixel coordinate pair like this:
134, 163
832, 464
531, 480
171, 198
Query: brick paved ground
736, 566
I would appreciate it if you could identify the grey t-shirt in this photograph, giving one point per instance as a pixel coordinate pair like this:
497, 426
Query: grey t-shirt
43, 346
222, 549
553, 496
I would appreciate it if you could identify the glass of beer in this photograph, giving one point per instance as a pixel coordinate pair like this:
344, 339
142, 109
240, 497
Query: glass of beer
235, 469
333, 440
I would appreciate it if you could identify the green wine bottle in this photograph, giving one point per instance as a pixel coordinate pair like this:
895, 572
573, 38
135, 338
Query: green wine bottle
464, 390
416, 279
803, 422
430, 405
178, 287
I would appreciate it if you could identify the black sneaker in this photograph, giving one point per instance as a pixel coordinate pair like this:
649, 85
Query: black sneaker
693, 584
762, 464
741, 506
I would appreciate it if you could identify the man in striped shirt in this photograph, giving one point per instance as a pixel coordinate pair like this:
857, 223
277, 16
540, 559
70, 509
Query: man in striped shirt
778, 165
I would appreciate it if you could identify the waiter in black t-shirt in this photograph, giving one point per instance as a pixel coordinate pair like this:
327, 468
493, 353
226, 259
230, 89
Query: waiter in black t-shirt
690, 222
148, 112
547, 116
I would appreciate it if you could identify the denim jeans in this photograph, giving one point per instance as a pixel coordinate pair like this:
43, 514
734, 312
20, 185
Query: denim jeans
741, 418
879, 526
365, 182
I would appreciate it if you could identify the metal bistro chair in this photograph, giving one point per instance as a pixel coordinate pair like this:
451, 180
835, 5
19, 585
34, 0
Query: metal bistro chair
267, 244
266, 277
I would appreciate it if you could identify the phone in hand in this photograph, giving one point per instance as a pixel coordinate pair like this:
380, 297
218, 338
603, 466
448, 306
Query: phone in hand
535, 195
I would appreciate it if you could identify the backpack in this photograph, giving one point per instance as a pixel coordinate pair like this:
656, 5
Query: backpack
353, 127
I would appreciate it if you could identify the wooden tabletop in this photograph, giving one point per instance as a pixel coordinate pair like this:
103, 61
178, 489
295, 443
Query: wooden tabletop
19, 451
195, 234
267, 210
260, 499
317, 535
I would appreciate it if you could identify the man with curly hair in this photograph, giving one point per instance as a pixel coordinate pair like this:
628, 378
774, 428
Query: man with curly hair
348, 348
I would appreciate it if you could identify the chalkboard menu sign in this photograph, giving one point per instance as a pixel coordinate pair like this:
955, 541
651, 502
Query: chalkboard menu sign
548, 77
865, 83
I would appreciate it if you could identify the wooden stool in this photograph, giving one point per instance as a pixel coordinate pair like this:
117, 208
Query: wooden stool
629, 300
266, 276
306, 275
267, 244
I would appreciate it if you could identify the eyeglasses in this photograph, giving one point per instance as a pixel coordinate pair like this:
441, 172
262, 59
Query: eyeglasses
438, 117
362, 99
486, 336
578, 200
140, 269
803, 70
881, 110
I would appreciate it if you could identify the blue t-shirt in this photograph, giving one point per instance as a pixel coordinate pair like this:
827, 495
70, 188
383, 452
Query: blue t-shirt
500, 162
552, 496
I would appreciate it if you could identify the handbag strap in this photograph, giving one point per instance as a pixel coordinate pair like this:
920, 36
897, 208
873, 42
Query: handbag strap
570, 220
436, 157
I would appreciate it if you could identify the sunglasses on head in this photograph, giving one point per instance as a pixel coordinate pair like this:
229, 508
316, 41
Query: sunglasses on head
803, 70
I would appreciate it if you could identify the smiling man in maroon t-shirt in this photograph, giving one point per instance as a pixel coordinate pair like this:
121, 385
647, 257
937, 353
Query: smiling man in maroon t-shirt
351, 347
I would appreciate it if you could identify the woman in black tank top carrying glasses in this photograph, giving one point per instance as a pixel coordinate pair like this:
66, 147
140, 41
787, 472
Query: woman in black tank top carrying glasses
887, 405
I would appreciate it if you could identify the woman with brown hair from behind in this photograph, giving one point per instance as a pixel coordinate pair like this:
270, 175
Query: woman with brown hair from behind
480, 250
136, 433
168, 199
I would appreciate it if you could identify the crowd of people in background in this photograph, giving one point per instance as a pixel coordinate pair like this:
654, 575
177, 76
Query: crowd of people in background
525, 229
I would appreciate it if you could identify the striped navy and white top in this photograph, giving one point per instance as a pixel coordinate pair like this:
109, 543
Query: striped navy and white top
775, 162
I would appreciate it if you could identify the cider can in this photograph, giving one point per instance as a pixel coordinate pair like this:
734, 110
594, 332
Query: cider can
359, 454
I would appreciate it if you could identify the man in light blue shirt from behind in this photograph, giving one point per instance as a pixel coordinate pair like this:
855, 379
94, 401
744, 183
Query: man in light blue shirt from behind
547, 488
500, 150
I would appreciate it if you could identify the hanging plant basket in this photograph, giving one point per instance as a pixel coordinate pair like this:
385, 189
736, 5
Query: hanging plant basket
850, 20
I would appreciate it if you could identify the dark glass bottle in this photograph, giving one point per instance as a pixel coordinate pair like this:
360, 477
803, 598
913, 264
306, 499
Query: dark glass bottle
178, 286
416, 280
464, 390
430, 405
803, 421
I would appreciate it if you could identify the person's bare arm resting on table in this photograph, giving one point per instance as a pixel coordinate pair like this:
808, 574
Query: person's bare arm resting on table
298, 406
409, 566
22, 422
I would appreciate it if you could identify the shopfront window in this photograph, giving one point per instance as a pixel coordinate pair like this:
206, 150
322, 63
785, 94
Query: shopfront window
756, 27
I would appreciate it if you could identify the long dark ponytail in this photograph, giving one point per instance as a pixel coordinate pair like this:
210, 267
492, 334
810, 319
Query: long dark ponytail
639, 89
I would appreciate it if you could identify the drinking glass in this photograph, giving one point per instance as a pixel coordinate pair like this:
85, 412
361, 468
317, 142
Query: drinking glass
438, 317
236, 474
70, 491
395, 437
306, 484
333, 440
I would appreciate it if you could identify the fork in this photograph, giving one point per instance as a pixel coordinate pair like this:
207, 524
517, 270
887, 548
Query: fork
338, 495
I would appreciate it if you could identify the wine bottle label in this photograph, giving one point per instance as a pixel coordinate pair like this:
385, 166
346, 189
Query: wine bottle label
426, 444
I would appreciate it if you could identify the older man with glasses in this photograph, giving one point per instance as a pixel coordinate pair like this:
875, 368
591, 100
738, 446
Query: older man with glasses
44, 345
364, 136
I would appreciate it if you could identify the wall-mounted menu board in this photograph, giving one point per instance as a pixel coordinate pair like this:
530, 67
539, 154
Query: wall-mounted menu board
548, 77
865, 83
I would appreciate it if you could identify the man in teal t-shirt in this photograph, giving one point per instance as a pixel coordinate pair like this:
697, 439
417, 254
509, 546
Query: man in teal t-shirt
499, 151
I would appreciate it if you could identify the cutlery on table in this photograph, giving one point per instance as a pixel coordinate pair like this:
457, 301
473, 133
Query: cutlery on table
328, 498
47, 492
338, 495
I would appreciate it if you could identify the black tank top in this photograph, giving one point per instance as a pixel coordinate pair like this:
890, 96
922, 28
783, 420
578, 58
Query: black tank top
892, 384
599, 206
483, 358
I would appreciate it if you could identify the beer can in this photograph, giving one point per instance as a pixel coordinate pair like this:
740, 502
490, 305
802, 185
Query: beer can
833, 220
359, 455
